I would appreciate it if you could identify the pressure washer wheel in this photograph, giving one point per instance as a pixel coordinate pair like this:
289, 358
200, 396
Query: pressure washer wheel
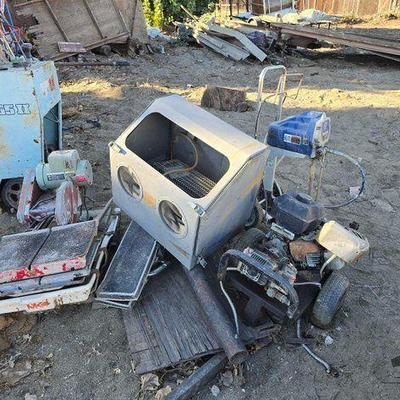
256, 217
10, 191
276, 191
329, 300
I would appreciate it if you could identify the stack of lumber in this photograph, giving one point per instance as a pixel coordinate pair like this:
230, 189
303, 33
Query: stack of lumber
227, 41
232, 38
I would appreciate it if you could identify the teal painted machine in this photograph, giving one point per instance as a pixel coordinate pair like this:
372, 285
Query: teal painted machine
30, 122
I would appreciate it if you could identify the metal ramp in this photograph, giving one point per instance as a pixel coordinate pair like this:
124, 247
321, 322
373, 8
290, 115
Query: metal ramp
127, 273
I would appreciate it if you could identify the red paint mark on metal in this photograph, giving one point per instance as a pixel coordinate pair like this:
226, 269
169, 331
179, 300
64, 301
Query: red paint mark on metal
80, 179
21, 274
36, 306
52, 83
37, 271
43, 269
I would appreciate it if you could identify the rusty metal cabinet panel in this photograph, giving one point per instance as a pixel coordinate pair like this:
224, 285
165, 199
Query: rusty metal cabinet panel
27, 96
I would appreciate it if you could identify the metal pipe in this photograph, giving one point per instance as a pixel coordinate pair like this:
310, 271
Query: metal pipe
122, 63
283, 71
103, 211
216, 316
199, 378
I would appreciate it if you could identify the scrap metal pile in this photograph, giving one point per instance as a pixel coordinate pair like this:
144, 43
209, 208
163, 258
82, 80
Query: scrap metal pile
10, 35
269, 38
215, 257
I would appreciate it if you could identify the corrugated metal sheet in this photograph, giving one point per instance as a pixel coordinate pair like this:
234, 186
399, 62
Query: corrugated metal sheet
351, 7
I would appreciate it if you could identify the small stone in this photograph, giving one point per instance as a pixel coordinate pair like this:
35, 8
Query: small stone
391, 196
5, 321
162, 393
29, 396
382, 204
5, 344
116, 371
328, 340
227, 378
215, 390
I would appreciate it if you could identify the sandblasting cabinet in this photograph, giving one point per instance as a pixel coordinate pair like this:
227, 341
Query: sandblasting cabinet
188, 178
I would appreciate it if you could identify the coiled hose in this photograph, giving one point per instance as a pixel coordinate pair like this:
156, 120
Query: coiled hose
362, 175
196, 158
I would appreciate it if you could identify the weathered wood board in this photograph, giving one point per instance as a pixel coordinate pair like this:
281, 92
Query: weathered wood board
89, 22
167, 326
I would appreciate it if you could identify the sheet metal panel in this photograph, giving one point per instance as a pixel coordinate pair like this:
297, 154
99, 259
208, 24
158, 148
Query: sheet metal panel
27, 94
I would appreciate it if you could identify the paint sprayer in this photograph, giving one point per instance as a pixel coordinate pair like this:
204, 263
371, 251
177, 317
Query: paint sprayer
305, 135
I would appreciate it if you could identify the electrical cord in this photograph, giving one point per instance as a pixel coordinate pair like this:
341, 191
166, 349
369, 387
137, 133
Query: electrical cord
232, 306
13, 35
326, 263
307, 283
362, 176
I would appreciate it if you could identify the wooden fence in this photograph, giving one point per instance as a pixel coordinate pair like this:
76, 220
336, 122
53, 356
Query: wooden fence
256, 7
355, 8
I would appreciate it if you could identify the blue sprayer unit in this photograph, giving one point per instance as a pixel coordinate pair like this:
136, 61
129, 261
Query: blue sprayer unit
302, 133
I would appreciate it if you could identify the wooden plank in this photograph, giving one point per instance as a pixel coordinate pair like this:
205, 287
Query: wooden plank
71, 47
117, 39
93, 18
243, 39
167, 326
119, 15
357, 8
56, 21
89, 22
343, 38
222, 46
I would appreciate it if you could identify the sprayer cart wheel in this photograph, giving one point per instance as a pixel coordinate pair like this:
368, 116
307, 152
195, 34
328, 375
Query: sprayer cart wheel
256, 217
10, 191
329, 300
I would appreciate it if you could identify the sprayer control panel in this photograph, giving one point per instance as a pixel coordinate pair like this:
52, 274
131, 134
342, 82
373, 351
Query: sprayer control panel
303, 133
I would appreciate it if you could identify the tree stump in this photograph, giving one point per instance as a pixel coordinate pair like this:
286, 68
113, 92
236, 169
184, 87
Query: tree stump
224, 99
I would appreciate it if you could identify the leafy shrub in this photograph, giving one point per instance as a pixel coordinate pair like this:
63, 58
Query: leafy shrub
162, 12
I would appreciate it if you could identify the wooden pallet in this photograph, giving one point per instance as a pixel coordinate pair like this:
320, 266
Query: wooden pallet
167, 326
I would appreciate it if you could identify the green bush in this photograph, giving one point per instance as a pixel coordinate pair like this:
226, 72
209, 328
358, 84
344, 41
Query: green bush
162, 12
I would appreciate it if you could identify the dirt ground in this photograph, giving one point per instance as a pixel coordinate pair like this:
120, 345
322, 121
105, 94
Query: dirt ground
82, 354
